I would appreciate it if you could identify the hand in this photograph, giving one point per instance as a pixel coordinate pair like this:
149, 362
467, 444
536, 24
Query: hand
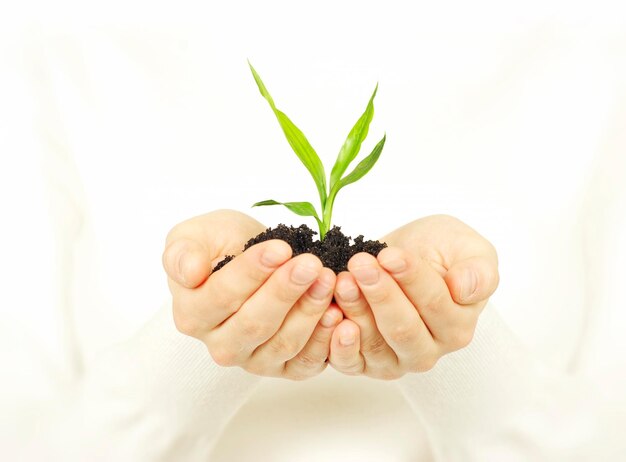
264, 311
418, 300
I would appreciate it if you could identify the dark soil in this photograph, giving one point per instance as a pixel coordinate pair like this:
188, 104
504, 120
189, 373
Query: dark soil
334, 251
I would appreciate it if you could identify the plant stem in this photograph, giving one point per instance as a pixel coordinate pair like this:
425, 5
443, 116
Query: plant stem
328, 213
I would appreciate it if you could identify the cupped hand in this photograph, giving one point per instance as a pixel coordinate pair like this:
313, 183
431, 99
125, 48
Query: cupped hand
264, 311
418, 300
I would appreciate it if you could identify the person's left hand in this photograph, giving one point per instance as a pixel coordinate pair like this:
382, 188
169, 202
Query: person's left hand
418, 300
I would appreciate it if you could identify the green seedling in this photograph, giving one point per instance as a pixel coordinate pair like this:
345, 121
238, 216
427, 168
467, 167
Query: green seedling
312, 162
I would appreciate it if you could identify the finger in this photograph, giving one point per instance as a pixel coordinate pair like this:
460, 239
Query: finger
344, 349
225, 291
396, 316
260, 317
299, 323
377, 353
472, 280
187, 262
449, 324
192, 245
311, 360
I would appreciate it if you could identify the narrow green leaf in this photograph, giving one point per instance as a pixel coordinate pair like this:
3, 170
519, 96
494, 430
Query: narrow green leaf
297, 141
261, 85
305, 152
352, 145
304, 209
364, 166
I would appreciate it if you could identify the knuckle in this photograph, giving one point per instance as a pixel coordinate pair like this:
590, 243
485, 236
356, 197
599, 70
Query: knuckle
283, 347
309, 360
317, 349
461, 338
256, 272
402, 334
311, 307
254, 330
256, 368
283, 296
219, 298
408, 278
185, 324
375, 346
378, 296
433, 305
303, 367
424, 364
354, 308
348, 367
289, 293
223, 357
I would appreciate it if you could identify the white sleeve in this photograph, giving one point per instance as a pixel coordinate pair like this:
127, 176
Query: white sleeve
493, 401
158, 395
155, 397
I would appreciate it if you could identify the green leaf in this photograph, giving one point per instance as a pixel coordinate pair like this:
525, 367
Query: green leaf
304, 209
364, 166
352, 145
297, 141
261, 85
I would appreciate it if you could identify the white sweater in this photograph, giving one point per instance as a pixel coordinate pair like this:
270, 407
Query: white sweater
513, 121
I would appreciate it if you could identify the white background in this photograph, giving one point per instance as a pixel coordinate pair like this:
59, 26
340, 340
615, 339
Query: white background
498, 113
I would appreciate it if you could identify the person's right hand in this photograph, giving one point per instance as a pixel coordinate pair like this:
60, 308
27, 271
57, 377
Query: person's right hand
263, 311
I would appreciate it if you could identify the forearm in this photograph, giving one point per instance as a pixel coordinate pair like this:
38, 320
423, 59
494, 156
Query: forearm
494, 401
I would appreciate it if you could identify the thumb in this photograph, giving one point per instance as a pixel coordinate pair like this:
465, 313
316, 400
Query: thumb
187, 262
472, 280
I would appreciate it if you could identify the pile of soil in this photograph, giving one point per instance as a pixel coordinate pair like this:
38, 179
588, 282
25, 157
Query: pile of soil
334, 251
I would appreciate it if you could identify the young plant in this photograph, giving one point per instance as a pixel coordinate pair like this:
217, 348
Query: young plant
312, 162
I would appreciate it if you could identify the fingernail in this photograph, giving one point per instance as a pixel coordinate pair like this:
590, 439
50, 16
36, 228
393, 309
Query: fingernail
304, 274
396, 265
348, 292
469, 282
328, 320
274, 257
319, 291
367, 275
346, 338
